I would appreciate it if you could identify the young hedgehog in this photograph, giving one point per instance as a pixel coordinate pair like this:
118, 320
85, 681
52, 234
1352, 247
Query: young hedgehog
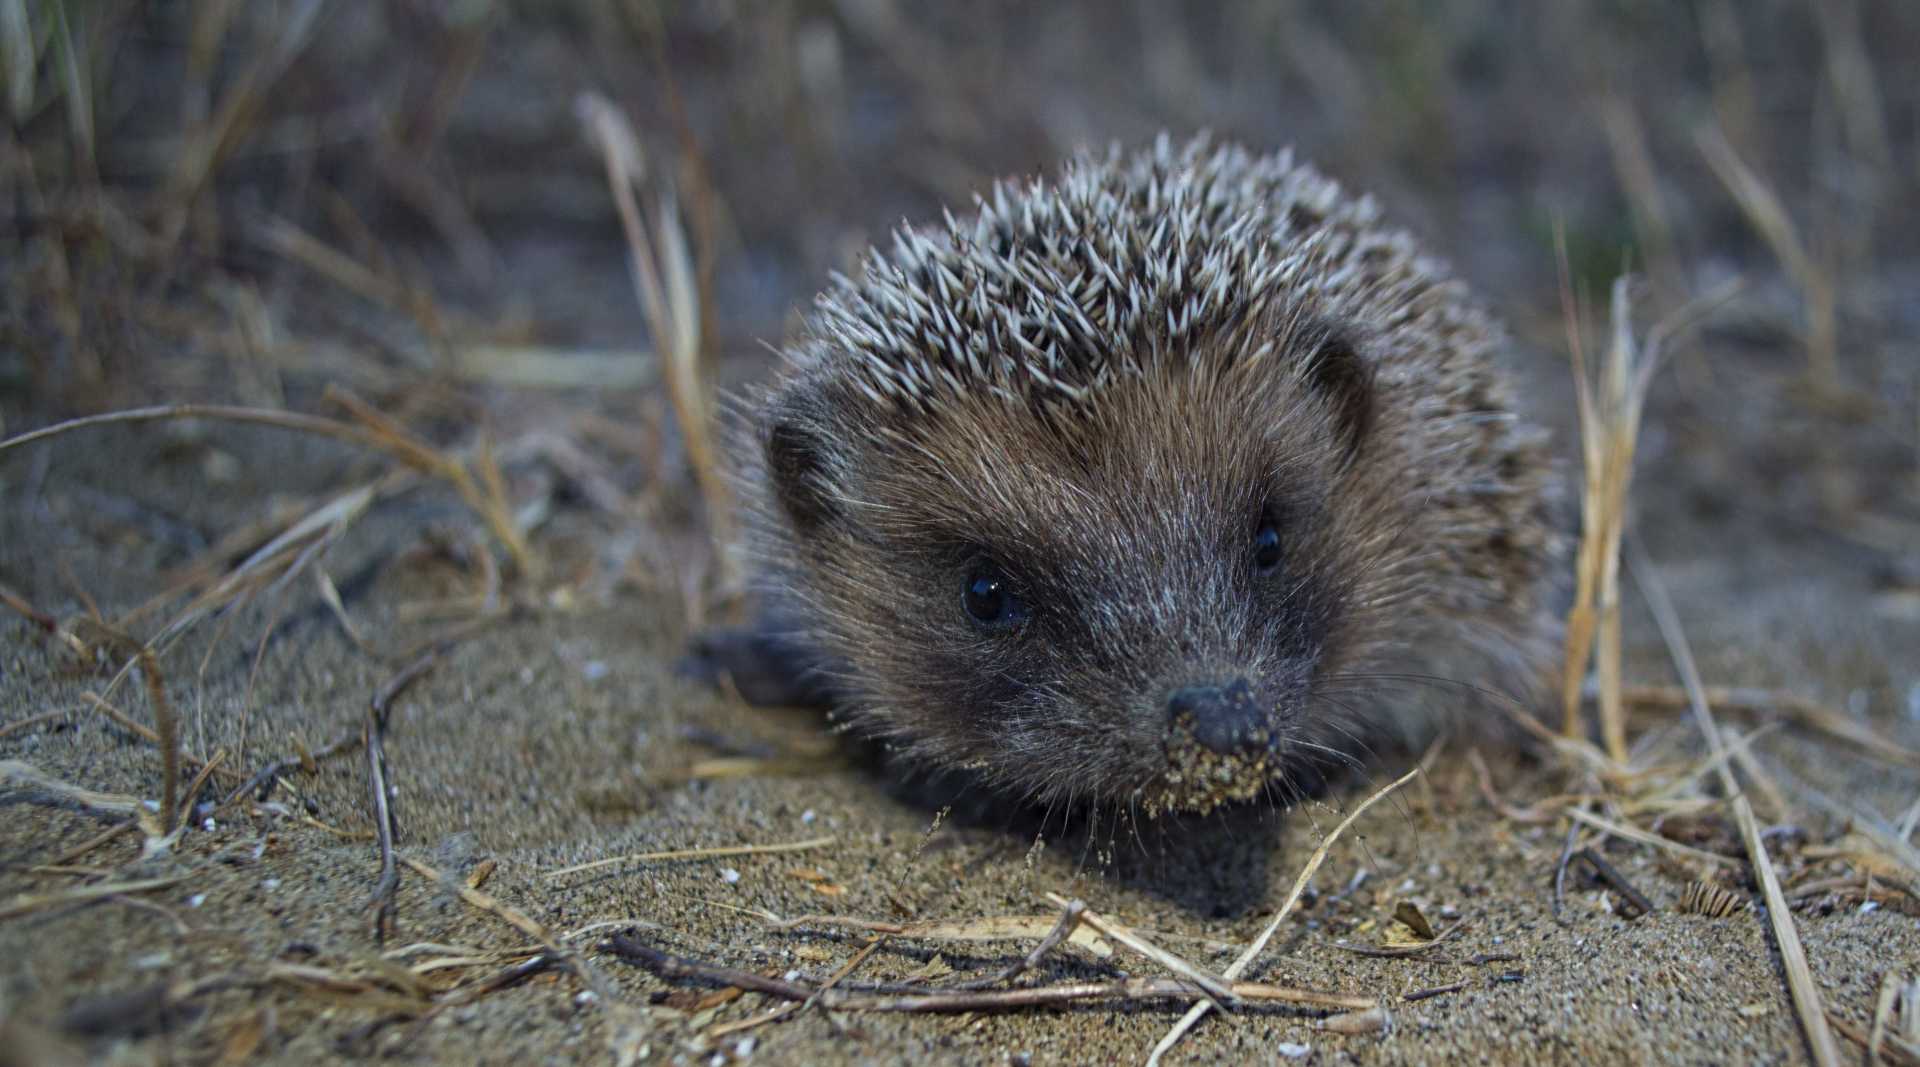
1148, 486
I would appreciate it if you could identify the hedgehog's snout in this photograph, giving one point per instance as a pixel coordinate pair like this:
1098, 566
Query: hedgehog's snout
1226, 718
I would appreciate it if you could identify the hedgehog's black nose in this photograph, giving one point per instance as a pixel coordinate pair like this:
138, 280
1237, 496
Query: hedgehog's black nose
1226, 719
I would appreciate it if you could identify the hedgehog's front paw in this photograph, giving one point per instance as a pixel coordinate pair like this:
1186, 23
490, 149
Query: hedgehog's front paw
764, 668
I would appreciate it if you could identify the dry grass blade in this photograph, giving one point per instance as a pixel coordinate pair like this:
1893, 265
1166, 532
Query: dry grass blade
694, 854
22, 775
211, 142
1791, 708
287, 420
619, 1014
1633, 165
1634, 833
28, 903
285, 552
1769, 216
1609, 429
664, 280
485, 496
1252, 952
1851, 69
1214, 987
1800, 983
76, 77
20, 58
1610, 412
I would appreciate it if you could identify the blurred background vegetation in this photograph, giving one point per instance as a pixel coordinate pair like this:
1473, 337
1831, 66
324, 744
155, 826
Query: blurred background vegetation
249, 201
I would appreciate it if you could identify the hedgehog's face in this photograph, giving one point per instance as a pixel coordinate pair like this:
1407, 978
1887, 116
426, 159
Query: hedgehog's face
1134, 601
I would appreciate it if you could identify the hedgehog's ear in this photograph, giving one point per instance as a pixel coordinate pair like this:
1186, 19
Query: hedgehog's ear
797, 462
1345, 378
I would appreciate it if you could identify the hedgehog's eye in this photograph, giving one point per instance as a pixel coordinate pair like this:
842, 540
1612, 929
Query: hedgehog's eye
1266, 549
989, 598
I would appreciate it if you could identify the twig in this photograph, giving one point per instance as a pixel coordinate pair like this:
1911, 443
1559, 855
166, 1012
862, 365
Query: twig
890, 999
1246, 958
32, 721
789, 1010
165, 729
1397, 952
265, 775
383, 821
93, 842
694, 854
1051, 929
1560, 869
1895, 1049
1806, 995
199, 782
28, 611
1616, 881
1424, 994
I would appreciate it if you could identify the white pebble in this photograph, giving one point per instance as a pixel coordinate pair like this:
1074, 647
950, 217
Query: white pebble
594, 670
196, 900
808, 816
729, 875
1293, 1050
745, 1047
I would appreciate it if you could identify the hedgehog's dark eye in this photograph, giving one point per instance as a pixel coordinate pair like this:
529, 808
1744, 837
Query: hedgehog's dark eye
990, 599
1266, 549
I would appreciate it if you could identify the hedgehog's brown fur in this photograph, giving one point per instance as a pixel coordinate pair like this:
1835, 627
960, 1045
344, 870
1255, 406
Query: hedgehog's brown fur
1106, 384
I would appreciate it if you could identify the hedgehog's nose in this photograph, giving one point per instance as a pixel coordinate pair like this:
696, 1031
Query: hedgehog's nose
1226, 719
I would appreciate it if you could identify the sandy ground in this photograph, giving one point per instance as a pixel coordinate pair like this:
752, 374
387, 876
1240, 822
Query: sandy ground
1785, 529
557, 739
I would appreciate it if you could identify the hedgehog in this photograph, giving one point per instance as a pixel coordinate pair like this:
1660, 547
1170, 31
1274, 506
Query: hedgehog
1174, 481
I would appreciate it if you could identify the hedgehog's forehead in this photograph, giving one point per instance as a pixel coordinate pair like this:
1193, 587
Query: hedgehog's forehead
1138, 459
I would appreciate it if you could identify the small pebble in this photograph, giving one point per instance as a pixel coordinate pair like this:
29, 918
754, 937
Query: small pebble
1293, 1050
729, 875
